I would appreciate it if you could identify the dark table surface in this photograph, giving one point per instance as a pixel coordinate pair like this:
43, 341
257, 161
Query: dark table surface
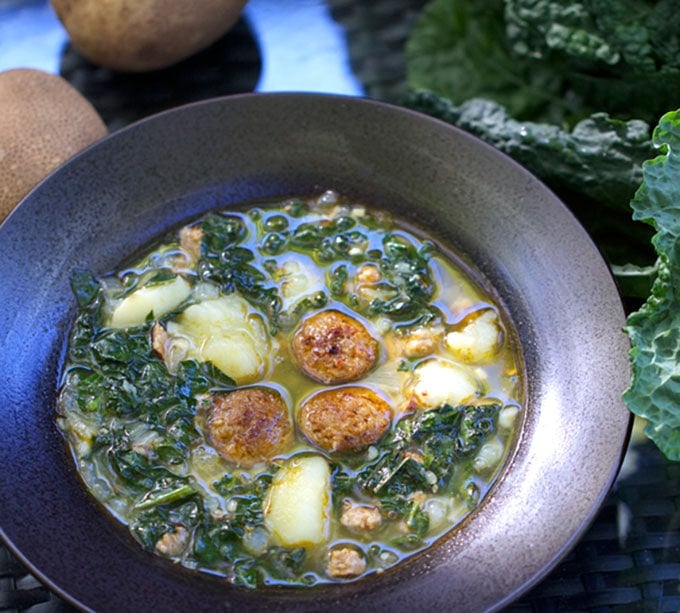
629, 559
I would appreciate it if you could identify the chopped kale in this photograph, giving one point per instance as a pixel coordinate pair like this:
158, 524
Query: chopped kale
420, 455
150, 524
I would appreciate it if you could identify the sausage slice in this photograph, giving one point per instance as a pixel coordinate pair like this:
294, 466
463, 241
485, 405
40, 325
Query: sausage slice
250, 425
344, 419
332, 347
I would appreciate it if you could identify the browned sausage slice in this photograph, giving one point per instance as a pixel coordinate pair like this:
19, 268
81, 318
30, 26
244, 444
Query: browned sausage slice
332, 347
344, 419
250, 425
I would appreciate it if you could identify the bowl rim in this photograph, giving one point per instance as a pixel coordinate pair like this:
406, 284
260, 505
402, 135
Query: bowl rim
535, 559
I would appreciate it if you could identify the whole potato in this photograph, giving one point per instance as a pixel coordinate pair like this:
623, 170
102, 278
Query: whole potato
43, 122
142, 35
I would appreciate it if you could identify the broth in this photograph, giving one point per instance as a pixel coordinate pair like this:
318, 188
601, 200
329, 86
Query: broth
292, 393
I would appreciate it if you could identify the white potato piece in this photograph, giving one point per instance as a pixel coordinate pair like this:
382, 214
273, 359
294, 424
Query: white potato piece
478, 341
158, 299
489, 456
227, 333
507, 417
297, 507
297, 278
437, 381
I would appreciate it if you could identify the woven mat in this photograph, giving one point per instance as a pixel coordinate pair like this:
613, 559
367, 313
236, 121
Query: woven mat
629, 559
231, 65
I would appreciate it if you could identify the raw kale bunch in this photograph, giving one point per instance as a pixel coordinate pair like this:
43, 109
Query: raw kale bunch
571, 90
568, 89
618, 55
551, 61
654, 329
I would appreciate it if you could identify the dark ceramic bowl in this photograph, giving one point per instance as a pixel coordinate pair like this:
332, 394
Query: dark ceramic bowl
113, 198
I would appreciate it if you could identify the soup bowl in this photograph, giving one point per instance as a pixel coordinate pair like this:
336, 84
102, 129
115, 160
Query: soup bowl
130, 188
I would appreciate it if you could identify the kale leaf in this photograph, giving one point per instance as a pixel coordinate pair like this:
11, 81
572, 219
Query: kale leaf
420, 454
568, 89
595, 167
406, 269
622, 56
654, 329
150, 524
548, 60
458, 49
228, 265
600, 157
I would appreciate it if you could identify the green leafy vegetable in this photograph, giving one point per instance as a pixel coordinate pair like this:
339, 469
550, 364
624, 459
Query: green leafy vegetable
441, 437
600, 157
247, 497
154, 498
622, 56
423, 453
549, 60
459, 50
568, 89
150, 524
654, 329
229, 266
595, 168
406, 269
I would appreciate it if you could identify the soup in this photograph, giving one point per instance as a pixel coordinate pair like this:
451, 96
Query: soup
291, 393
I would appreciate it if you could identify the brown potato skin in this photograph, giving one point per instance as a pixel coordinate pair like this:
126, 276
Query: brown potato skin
143, 35
43, 122
332, 347
250, 425
344, 419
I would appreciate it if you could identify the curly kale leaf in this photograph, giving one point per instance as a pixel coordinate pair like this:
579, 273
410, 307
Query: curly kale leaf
540, 27
458, 49
601, 156
621, 56
654, 329
440, 437
595, 167
550, 60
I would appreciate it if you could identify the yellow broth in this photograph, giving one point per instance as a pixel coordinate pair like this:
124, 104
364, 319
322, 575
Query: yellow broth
147, 364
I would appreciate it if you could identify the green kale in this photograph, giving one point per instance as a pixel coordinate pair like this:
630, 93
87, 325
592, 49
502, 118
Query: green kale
85, 286
595, 168
215, 542
568, 89
549, 60
284, 563
165, 495
226, 264
150, 524
654, 329
600, 157
622, 56
422, 453
407, 271
459, 50
247, 497
138, 473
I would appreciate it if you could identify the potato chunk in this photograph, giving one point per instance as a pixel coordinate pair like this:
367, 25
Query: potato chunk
225, 332
157, 299
297, 507
478, 341
436, 382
